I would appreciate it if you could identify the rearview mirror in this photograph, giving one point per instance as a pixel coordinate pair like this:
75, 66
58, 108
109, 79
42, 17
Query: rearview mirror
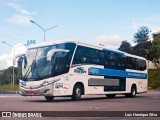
53, 51
17, 56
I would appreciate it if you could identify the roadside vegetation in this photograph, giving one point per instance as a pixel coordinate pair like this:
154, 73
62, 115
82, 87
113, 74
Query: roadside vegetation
9, 87
6, 76
154, 78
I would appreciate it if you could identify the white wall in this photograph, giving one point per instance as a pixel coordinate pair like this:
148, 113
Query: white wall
151, 65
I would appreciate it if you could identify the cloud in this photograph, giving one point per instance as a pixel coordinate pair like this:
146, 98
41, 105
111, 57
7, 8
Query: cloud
22, 15
19, 8
135, 25
154, 19
110, 41
6, 60
19, 19
152, 22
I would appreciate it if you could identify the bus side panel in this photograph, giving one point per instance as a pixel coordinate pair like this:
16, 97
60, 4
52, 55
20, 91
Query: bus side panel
141, 84
84, 80
120, 87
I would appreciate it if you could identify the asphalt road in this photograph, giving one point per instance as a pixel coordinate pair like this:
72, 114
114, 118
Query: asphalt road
149, 101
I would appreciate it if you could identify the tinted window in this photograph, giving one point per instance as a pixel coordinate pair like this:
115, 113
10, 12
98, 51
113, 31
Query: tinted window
113, 60
108, 59
85, 55
135, 63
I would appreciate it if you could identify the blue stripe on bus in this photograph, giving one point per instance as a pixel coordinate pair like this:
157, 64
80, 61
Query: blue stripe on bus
118, 73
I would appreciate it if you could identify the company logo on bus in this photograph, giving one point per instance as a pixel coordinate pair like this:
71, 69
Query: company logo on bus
93, 71
79, 70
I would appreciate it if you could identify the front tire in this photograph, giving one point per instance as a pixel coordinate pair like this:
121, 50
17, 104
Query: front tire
49, 98
77, 92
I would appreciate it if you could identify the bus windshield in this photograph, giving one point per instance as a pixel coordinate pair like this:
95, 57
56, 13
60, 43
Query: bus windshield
37, 66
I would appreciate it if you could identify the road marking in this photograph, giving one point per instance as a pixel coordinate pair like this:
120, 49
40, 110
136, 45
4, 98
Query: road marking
156, 97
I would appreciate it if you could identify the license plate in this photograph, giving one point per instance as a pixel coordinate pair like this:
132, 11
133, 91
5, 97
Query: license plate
31, 93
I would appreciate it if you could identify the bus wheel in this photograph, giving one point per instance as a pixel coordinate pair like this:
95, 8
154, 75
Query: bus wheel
77, 92
133, 92
49, 98
110, 95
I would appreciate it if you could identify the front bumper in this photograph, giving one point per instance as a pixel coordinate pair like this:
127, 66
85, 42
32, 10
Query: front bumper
41, 91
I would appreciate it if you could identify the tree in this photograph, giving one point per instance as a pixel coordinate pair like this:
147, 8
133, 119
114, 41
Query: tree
142, 35
125, 47
7, 74
155, 51
156, 35
142, 49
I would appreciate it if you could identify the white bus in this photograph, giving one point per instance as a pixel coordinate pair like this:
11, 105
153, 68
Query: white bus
55, 69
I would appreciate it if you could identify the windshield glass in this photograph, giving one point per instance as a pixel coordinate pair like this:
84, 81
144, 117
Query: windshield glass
37, 66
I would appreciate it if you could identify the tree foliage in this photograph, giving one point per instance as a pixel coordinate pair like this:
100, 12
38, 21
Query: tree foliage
6, 75
156, 35
142, 35
155, 51
142, 49
125, 47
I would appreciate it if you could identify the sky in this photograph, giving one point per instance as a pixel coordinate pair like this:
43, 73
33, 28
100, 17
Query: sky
106, 22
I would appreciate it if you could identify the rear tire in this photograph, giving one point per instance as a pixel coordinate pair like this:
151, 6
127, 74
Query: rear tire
133, 92
77, 92
49, 98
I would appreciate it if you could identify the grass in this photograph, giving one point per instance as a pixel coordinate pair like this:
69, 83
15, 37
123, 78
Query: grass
154, 78
8, 87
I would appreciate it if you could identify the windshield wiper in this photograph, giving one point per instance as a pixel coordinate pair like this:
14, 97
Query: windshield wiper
27, 73
30, 68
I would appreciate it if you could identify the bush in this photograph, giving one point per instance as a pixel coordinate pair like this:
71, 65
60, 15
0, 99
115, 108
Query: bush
154, 78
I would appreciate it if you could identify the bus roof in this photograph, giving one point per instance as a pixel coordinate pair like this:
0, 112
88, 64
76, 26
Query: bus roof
48, 43
100, 47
